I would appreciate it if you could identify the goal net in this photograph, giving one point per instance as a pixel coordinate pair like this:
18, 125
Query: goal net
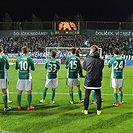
64, 52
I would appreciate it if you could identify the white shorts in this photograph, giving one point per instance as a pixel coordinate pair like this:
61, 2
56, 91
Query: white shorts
3, 83
51, 83
24, 84
117, 83
73, 82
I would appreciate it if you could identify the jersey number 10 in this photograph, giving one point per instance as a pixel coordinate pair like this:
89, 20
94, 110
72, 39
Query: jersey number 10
23, 65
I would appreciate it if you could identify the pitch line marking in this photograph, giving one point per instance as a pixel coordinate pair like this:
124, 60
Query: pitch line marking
36, 93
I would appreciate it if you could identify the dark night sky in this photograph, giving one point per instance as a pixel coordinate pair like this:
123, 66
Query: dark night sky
91, 10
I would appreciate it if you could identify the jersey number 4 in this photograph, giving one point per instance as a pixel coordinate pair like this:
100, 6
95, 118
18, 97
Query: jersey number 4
118, 65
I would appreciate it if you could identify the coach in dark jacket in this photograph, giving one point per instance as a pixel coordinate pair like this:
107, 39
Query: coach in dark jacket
93, 65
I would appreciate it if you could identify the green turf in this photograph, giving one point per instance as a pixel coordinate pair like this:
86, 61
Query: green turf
63, 117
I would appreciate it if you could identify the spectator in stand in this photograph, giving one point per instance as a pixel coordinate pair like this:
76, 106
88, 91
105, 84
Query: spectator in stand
13, 44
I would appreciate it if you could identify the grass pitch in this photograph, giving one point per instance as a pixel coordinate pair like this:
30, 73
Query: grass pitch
62, 117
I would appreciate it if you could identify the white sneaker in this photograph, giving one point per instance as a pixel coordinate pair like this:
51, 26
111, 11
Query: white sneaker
9, 101
7, 108
42, 101
85, 112
98, 112
52, 102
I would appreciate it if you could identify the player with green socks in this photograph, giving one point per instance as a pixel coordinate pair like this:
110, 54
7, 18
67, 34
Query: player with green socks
94, 100
73, 66
24, 64
4, 66
117, 63
52, 66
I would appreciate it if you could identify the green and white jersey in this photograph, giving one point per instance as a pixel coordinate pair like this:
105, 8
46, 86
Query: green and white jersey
24, 64
4, 66
117, 63
52, 65
73, 66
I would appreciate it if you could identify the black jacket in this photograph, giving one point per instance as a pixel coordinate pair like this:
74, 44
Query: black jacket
93, 65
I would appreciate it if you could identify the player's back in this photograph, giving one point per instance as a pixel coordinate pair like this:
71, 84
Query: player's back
4, 65
24, 64
52, 65
73, 65
118, 64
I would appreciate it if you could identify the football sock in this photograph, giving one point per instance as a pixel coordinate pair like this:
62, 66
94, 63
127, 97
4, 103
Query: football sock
5, 100
116, 97
121, 96
44, 93
93, 95
29, 98
19, 99
71, 96
80, 95
53, 94
7, 91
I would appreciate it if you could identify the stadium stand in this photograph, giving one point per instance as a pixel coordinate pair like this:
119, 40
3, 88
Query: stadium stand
39, 43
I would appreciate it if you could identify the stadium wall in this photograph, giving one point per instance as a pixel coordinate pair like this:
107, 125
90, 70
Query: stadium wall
25, 32
108, 33
96, 33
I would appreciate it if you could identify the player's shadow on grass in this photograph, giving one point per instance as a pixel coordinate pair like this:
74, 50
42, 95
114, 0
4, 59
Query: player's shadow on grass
107, 107
46, 106
69, 107
115, 121
39, 110
77, 114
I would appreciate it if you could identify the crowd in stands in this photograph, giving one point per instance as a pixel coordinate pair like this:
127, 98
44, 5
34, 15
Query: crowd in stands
39, 43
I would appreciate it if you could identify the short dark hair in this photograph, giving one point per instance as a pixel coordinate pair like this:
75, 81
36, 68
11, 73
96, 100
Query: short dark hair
94, 48
25, 49
116, 51
53, 53
73, 50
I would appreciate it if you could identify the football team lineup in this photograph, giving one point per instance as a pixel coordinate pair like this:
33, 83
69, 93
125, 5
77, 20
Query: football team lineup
52, 116
66, 66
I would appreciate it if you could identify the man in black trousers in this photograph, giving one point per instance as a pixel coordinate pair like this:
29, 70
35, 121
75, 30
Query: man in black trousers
93, 65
